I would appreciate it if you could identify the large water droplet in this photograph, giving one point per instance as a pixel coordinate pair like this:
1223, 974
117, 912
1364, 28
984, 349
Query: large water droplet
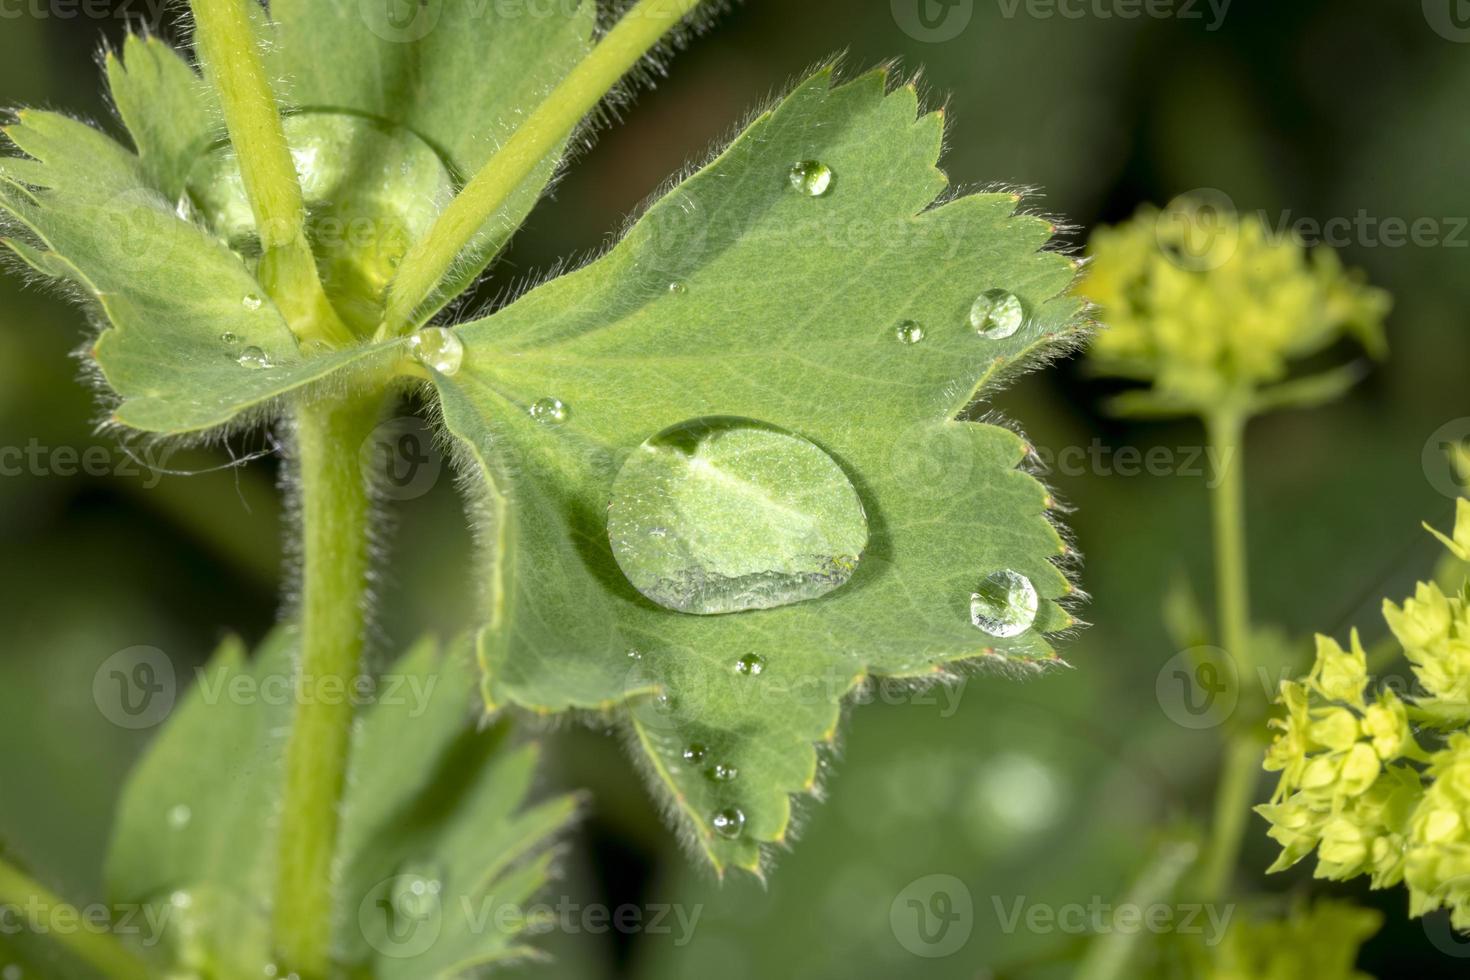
253, 358
723, 515
550, 411
252, 302
811, 177
750, 665
728, 822
997, 314
909, 332
438, 349
1006, 604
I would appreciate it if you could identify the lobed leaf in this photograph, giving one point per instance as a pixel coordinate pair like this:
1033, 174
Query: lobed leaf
190, 341
741, 295
460, 75
431, 800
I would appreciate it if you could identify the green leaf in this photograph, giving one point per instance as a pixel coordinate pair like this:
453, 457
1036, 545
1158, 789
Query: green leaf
192, 343
431, 799
740, 294
171, 114
460, 75
191, 839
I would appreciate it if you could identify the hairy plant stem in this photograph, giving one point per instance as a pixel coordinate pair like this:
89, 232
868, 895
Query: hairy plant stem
230, 51
1241, 764
335, 510
102, 951
544, 130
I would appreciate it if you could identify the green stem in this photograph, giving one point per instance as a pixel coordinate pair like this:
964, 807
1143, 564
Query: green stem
335, 510
543, 131
1242, 759
1111, 954
21, 895
230, 51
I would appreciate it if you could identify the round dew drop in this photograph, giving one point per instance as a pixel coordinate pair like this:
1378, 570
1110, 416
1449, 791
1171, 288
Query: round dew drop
811, 177
678, 288
252, 302
750, 665
727, 515
550, 411
230, 338
438, 349
722, 772
1006, 604
253, 358
997, 314
729, 822
909, 332
694, 753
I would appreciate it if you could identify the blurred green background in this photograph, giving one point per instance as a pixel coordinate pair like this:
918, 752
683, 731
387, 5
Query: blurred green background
1047, 791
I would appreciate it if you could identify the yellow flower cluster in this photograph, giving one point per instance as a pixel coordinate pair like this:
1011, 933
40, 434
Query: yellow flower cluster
1356, 784
1320, 941
1209, 306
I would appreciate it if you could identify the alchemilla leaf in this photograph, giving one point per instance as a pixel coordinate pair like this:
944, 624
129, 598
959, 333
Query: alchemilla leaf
439, 833
728, 472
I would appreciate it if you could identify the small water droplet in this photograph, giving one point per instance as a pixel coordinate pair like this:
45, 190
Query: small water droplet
230, 338
751, 664
811, 177
252, 302
678, 288
179, 816
438, 349
550, 411
253, 358
722, 772
1005, 605
997, 314
909, 332
635, 655
752, 517
695, 753
729, 822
